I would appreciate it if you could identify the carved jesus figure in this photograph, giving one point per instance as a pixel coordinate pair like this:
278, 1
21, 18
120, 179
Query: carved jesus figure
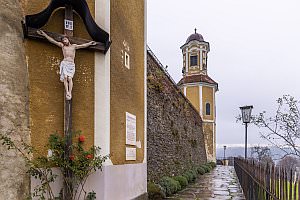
67, 65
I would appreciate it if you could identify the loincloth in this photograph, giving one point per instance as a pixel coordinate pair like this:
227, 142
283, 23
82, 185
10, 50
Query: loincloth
66, 68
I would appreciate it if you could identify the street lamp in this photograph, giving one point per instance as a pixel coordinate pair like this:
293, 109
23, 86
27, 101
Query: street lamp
224, 153
246, 115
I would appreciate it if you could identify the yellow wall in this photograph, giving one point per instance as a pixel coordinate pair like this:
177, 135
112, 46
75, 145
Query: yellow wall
192, 93
127, 85
209, 134
207, 97
47, 92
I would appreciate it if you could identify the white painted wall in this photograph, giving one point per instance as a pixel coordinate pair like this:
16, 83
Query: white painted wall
102, 83
115, 182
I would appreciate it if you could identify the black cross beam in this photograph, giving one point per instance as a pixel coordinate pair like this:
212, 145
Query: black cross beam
36, 21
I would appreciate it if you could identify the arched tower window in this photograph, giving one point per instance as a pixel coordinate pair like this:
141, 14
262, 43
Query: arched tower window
194, 60
207, 108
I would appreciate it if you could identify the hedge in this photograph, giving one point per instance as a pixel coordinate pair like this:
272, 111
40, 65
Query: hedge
200, 170
182, 180
169, 184
155, 191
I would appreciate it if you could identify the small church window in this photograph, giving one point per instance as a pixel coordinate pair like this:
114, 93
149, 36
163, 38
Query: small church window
207, 109
194, 60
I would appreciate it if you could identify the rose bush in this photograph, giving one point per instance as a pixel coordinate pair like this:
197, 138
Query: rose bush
74, 162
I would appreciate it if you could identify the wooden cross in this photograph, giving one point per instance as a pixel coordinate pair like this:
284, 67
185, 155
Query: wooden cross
68, 30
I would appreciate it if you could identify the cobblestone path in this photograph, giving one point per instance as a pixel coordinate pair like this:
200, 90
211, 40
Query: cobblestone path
220, 183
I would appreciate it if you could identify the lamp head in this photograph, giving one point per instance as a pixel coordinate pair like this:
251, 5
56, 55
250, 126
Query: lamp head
246, 113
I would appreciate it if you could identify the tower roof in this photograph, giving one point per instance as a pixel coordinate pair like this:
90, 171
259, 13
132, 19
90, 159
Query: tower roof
200, 78
195, 36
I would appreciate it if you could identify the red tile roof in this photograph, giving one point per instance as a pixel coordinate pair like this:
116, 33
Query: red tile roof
196, 79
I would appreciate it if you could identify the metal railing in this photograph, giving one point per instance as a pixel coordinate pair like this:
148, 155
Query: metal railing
266, 182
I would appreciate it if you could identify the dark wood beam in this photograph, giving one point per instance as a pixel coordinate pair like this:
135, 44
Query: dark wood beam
68, 16
68, 116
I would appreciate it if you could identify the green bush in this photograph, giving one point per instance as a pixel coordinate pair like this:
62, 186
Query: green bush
208, 165
169, 184
182, 180
155, 191
192, 175
206, 168
189, 176
200, 170
178, 185
212, 164
194, 172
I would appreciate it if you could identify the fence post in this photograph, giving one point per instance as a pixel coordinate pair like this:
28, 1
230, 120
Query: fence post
286, 193
291, 184
267, 181
295, 185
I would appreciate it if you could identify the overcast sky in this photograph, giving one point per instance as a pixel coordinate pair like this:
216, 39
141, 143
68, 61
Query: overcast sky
254, 52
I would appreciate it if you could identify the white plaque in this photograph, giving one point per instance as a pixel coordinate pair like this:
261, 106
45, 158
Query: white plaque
130, 153
69, 25
130, 129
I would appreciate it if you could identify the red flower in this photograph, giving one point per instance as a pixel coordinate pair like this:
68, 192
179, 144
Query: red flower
89, 156
72, 157
81, 138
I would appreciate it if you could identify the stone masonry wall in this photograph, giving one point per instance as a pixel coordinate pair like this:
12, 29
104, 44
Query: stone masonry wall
14, 182
175, 140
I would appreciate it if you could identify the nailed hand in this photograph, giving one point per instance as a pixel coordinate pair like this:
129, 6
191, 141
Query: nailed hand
93, 43
40, 32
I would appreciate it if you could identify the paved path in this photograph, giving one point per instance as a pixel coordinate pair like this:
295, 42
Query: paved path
220, 183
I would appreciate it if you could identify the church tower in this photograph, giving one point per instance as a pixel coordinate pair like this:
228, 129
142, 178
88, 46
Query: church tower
199, 88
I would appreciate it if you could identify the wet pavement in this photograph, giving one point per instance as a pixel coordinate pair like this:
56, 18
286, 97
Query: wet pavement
220, 183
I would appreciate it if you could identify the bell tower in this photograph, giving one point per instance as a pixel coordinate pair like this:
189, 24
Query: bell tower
195, 52
199, 88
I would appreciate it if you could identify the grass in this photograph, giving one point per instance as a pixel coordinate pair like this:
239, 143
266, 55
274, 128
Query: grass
286, 191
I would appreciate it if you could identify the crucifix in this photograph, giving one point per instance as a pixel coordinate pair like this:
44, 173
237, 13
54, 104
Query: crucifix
69, 44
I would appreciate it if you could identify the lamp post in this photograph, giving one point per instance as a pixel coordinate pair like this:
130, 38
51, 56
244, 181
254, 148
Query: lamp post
246, 115
224, 153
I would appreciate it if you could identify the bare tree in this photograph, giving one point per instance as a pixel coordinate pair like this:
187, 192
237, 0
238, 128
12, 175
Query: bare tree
261, 154
282, 130
289, 163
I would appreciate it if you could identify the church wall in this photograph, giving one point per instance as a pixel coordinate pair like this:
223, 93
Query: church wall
123, 179
104, 89
127, 84
209, 134
209, 121
208, 97
46, 90
192, 93
175, 140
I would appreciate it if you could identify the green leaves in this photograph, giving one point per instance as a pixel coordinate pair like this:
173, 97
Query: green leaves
80, 164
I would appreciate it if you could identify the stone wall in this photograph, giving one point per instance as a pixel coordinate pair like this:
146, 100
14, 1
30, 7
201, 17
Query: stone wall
175, 140
14, 183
